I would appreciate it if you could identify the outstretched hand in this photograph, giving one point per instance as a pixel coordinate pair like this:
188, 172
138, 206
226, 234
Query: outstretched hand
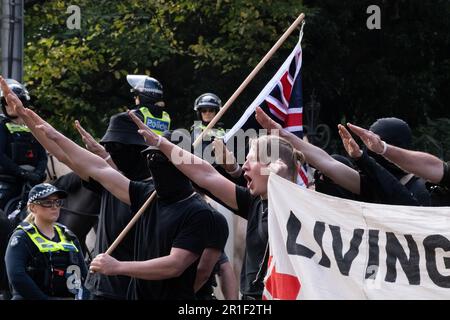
370, 139
350, 144
265, 121
11, 98
91, 144
151, 138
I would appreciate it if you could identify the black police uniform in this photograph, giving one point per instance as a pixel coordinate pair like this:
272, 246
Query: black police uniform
18, 147
36, 275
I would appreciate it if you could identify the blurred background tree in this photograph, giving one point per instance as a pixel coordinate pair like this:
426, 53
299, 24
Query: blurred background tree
195, 46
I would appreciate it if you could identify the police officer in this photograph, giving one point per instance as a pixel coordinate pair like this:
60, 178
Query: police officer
207, 106
22, 158
43, 258
148, 95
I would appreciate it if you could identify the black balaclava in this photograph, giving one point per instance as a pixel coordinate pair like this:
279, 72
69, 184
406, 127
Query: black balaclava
125, 144
129, 160
325, 185
171, 185
150, 105
395, 132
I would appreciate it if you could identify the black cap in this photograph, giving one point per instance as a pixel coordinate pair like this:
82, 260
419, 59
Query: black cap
123, 130
44, 190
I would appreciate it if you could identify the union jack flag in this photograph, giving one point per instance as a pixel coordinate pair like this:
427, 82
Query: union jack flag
282, 100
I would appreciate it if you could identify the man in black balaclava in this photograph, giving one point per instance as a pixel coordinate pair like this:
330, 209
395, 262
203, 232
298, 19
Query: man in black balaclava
124, 144
396, 132
173, 232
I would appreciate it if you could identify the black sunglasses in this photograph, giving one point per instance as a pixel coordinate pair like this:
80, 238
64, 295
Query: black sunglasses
49, 203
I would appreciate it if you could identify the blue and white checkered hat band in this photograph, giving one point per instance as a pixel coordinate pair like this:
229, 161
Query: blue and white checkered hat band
49, 189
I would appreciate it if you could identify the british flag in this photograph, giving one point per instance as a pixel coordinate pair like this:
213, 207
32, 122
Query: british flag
282, 99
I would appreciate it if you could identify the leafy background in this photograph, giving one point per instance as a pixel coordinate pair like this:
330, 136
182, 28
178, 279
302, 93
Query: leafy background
192, 47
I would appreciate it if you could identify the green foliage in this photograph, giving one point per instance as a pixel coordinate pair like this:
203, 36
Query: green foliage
196, 46
190, 46
434, 137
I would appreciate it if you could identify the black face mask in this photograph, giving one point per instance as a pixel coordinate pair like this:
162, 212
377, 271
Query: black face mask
171, 185
325, 185
129, 160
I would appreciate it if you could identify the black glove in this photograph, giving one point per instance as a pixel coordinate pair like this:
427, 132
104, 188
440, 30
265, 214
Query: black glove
32, 177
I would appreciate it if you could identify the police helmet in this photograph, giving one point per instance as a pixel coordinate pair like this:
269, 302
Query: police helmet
207, 100
148, 89
19, 89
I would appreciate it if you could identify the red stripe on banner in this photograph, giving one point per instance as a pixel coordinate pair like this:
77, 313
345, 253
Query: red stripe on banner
294, 119
287, 87
282, 286
276, 112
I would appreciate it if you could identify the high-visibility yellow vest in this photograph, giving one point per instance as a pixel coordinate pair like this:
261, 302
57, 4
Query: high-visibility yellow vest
157, 125
45, 245
213, 132
14, 128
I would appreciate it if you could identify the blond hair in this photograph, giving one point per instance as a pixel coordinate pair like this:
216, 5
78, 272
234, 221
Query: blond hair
30, 217
270, 148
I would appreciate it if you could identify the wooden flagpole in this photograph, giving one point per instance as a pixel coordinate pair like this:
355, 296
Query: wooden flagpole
130, 224
249, 78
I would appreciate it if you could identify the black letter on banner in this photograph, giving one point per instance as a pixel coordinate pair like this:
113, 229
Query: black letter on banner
374, 255
293, 229
431, 243
344, 262
319, 230
394, 251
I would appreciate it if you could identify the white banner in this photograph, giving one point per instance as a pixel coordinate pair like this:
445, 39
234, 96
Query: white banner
323, 247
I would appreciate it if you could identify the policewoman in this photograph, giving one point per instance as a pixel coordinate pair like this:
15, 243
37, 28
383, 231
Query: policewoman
44, 258
206, 107
148, 97
22, 158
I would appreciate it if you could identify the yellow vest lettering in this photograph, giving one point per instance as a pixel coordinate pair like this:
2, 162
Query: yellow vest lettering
157, 125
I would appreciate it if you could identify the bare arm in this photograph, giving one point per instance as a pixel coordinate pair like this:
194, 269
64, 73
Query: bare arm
13, 101
167, 267
196, 169
205, 266
228, 282
419, 163
93, 146
87, 164
346, 177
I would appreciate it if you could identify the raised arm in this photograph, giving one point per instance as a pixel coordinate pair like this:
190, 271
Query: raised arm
419, 163
93, 146
13, 101
199, 171
86, 164
344, 176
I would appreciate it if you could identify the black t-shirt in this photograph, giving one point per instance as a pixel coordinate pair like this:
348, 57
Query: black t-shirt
186, 224
217, 240
219, 234
445, 182
254, 209
114, 216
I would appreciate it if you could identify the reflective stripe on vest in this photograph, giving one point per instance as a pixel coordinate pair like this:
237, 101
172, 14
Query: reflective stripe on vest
45, 245
14, 128
214, 132
158, 125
